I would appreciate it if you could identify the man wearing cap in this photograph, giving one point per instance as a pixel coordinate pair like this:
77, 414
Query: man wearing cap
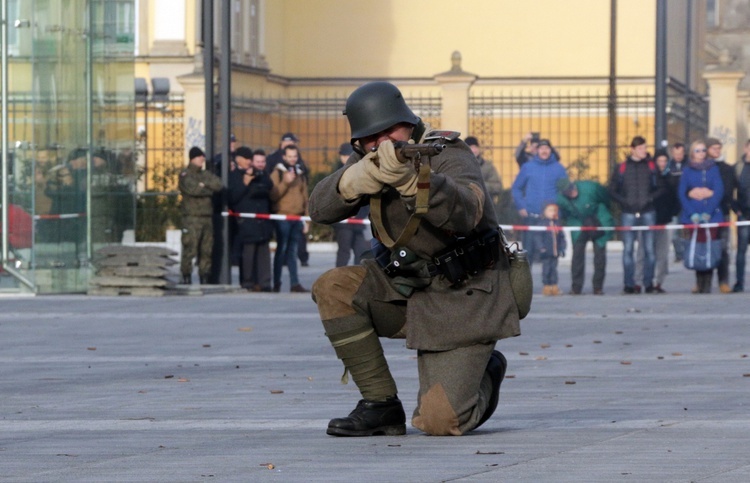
249, 192
492, 180
350, 237
729, 178
196, 186
434, 211
535, 186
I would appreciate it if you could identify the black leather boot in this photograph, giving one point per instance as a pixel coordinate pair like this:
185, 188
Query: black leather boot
371, 418
496, 369
187, 280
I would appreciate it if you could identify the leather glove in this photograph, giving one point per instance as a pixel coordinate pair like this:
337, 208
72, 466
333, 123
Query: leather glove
360, 179
393, 172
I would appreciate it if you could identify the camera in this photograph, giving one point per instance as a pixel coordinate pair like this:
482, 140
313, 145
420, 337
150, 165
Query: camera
534, 137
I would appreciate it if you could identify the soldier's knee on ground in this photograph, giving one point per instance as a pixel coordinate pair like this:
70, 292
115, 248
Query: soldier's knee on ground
334, 291
435, 414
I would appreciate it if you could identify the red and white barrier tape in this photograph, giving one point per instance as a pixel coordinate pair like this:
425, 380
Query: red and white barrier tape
621, 228
62, 216
267, 216
358, 221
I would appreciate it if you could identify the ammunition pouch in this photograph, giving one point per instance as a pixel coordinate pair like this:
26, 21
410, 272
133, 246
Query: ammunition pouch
467, 258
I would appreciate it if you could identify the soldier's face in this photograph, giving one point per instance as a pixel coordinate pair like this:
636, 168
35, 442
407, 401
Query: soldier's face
398, 132
475, 150
199, 161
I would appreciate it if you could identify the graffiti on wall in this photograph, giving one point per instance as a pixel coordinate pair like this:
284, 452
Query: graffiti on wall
724, 134
194, 133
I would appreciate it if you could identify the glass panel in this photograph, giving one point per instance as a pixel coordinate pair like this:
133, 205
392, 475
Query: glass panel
20, 154
59, 63
114, 175
70, 107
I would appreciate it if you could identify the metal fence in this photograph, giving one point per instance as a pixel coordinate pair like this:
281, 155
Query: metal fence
259, 122
576, 123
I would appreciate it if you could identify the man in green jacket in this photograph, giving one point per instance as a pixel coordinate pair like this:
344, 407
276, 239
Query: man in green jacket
586, 204
196, 186
438, 213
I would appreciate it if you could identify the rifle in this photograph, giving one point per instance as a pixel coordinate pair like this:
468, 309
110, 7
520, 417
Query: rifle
413, 152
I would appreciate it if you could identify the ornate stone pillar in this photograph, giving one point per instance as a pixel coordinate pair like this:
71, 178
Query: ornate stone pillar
455, 85
195, 110
724, 106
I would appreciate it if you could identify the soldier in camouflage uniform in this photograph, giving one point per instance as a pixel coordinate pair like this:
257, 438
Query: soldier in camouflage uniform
197, 186
414, 287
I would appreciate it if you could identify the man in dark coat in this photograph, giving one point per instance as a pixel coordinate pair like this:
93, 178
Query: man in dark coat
434, 211
634, 185
249, 192
729, 178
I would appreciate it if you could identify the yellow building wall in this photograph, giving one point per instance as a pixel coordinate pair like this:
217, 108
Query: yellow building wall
498, 38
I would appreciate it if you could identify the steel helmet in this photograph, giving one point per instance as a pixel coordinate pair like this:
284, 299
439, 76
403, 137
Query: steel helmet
376, 106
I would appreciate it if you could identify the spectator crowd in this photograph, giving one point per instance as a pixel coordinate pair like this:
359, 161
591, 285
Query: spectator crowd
687, 185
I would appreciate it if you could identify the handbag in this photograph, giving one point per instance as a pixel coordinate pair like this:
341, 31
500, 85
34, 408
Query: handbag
701, 255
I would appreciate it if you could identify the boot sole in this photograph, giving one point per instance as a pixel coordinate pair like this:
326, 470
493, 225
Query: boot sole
396, 430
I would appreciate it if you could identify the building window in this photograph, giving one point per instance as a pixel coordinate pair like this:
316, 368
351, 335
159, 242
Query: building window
712, 14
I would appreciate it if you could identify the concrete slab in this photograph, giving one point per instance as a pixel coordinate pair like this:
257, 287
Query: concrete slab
240, 387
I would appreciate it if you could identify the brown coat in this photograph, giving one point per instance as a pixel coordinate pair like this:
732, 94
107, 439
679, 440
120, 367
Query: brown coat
439, 317
289, 198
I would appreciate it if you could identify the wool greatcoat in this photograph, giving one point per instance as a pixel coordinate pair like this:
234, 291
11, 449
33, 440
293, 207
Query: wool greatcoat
439, 317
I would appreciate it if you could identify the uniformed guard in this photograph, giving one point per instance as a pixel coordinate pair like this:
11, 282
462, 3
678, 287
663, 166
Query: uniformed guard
197, 186
440, 276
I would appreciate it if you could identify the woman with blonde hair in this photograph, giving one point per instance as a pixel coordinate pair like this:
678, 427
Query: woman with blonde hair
700, 192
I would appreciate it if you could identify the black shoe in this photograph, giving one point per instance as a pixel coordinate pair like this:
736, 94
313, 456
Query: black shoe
187, 279
575, 291
738, 288
496, 369
371, 418
637, 289
598, 291
658, 289
629, 290
650, 289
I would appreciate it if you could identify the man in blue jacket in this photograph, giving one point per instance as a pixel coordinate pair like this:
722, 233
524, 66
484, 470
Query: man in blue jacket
535, 186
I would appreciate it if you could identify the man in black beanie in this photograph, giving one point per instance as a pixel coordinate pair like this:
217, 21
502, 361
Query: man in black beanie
196, 186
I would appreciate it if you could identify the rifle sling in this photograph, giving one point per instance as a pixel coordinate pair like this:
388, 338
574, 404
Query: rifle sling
421, 208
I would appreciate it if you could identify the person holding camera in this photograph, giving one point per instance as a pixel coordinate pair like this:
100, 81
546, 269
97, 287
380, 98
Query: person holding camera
249, 192
289, 195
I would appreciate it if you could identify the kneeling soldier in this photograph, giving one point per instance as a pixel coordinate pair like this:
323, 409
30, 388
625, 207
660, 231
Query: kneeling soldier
442, 282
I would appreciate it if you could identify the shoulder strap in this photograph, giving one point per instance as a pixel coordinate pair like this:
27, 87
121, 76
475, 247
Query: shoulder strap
422, 206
